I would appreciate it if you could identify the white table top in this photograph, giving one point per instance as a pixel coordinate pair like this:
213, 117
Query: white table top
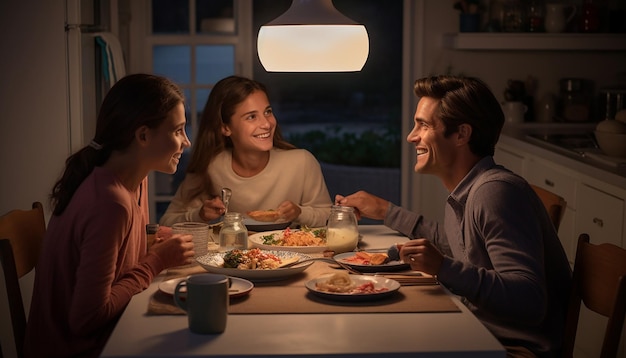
454, 334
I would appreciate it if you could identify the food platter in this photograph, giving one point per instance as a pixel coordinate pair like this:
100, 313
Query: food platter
256, 240
213, 262
390, 285
238, 288
386, 267
258, 226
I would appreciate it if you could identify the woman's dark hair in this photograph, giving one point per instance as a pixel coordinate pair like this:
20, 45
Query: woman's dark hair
466, 100
134, 101
221, 105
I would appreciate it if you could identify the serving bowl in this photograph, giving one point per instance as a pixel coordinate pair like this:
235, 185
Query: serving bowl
613, 144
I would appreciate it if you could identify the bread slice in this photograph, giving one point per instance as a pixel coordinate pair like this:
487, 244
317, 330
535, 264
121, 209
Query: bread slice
264, 215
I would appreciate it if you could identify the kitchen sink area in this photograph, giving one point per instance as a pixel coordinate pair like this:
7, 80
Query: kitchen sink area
577, 143
573, 140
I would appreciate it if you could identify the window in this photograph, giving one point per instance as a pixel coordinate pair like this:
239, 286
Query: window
195, 43
350, 121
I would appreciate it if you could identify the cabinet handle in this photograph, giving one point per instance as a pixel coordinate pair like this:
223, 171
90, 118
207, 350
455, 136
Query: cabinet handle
549, 183
598, 222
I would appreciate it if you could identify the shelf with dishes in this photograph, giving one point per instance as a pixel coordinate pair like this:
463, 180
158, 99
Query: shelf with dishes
490, 41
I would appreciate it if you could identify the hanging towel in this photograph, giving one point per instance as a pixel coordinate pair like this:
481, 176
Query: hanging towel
112, 57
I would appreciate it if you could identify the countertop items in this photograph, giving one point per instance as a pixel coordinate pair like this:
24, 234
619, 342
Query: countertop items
571, 149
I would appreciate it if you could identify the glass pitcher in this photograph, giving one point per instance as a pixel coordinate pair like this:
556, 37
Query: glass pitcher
234, 234
342, 232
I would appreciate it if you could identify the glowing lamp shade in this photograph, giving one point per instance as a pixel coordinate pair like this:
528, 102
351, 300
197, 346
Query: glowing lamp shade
312, 36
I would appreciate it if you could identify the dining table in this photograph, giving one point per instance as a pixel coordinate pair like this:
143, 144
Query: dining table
282, 318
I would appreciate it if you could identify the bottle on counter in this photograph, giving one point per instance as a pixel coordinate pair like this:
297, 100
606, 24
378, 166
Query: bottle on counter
342, 232
234, 234
576, 99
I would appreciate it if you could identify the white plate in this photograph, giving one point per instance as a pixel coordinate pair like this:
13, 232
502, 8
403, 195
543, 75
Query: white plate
386, 267
213, 262
256, 240
239, 287
258, 226
379, 282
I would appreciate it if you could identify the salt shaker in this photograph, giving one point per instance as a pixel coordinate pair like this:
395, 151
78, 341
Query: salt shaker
342, 232
234, 234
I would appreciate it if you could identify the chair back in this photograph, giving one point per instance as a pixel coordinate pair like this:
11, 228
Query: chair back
599, 281
555, 204
21, 238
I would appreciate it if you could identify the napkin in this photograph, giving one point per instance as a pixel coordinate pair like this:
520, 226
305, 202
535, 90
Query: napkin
413, 278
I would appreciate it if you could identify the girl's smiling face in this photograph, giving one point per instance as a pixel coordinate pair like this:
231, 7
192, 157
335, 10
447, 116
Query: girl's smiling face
252, 126
169, 140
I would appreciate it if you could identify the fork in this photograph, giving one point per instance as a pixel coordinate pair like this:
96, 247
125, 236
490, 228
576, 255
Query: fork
325, 259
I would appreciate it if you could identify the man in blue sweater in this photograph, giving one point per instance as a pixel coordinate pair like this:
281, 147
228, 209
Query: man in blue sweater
497, 248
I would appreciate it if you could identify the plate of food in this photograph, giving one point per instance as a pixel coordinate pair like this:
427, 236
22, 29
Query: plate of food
238, 287
255, 264
304, 240
341, 286
364, 261
260, 226
264, 220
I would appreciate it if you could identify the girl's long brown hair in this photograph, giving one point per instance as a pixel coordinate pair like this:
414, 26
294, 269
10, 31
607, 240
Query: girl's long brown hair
225, 96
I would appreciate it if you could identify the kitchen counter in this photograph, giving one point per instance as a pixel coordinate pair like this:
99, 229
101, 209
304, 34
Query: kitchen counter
524, 137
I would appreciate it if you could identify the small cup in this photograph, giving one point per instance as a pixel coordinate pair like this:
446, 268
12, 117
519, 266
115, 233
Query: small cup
200, 233
514, 111
205, 301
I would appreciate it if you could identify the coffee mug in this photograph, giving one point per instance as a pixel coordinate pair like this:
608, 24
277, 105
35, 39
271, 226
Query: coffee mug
514, 111
205, 301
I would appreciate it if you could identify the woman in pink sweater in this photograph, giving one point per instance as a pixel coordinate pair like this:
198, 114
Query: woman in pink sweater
94, 256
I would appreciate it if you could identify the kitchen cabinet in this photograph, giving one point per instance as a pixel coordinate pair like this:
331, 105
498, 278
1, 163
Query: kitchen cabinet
600, 215
545, 175
511, 160
593, 206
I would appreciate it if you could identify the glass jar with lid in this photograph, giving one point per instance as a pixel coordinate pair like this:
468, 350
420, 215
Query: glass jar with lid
234, 234
342, 232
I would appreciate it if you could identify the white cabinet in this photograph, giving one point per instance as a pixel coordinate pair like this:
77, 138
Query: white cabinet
550, 177
544, 175
593, 206
601, 215
561, 182
509, 159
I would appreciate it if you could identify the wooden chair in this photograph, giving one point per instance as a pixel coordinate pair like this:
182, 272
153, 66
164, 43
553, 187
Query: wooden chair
21, 237
599, 281
555, 205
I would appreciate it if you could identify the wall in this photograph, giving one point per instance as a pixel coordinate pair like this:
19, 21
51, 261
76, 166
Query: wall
34, 127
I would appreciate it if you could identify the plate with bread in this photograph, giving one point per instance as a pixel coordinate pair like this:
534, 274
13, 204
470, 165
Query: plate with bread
365, 261
264, 220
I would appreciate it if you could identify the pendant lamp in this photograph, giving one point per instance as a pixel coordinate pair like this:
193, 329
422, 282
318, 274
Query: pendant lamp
313, 36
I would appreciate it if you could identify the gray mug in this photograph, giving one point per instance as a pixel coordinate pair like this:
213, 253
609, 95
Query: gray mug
206, 302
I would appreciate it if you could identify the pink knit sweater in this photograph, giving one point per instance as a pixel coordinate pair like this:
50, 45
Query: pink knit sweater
92, 262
